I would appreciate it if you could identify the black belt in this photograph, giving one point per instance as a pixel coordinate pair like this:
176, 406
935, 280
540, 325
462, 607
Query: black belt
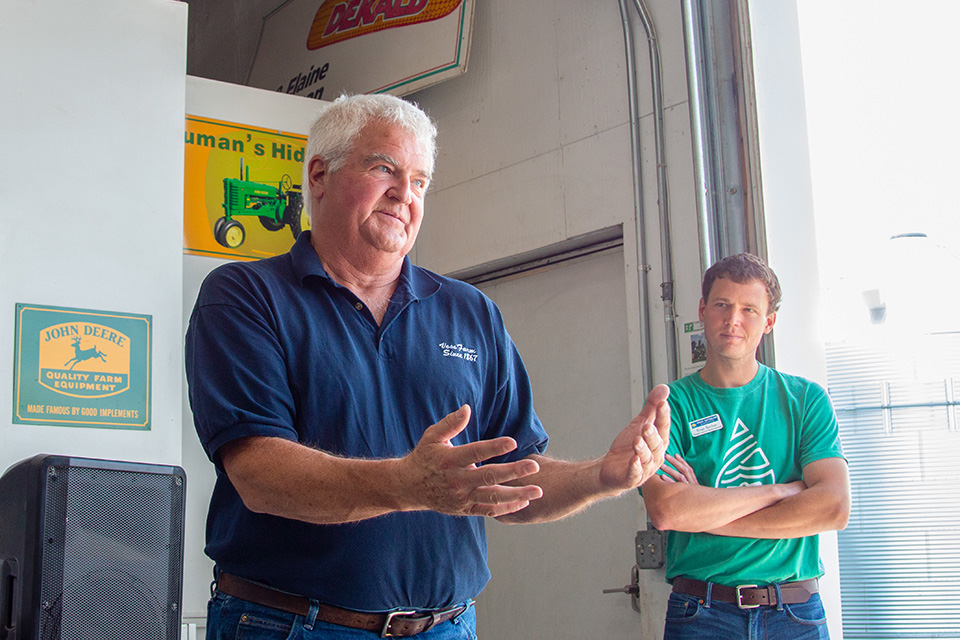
399, 623
748, 596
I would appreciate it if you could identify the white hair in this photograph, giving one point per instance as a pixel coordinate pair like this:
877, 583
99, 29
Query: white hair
335, 130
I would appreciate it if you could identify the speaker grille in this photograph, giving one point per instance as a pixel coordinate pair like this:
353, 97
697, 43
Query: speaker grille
112, 555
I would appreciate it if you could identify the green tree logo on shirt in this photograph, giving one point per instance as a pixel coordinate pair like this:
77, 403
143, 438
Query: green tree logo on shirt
745, 462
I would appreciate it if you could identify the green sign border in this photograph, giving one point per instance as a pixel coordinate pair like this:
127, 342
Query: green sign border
129, 409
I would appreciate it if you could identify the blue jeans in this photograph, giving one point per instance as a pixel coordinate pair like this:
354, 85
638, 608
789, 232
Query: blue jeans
690, 618
230, 618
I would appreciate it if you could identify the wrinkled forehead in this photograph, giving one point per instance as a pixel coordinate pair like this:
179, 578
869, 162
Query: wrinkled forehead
398, 145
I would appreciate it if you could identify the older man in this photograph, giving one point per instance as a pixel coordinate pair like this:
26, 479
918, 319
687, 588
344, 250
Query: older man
365, 415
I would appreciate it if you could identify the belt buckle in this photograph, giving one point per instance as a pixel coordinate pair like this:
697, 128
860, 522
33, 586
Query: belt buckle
740, 604
385, 632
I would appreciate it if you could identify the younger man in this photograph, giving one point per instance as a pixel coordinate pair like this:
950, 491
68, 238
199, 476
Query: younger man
757, 472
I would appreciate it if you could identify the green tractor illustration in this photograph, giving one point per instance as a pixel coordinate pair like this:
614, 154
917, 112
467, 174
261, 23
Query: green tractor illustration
275, 206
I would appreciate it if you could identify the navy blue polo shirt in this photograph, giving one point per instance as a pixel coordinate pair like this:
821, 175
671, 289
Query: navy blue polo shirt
277, 348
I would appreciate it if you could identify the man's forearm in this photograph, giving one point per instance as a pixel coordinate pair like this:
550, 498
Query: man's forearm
286, 479
815, 510
353, 489
568, 487
695, 508
633, 457
797, 517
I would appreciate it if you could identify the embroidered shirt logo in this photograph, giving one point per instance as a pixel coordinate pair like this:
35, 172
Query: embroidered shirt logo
745, 462
458, 351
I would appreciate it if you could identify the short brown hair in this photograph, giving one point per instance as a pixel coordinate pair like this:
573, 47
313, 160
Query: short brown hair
741, 268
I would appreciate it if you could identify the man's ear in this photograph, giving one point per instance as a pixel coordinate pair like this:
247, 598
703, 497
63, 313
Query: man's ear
771, 320
316, 174
703, 305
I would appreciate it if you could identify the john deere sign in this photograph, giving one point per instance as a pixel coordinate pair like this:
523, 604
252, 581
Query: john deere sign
81, 368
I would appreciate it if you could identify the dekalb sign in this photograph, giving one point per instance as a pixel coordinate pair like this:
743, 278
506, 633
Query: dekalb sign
337, 21
322, 48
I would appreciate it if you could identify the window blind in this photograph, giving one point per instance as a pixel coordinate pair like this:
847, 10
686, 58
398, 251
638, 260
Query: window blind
896, 403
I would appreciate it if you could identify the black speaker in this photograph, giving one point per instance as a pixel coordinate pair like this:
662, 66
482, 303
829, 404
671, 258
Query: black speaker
91, 550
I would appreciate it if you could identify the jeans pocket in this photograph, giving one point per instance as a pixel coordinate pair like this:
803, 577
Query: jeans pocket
810, 612
682, 608
235, 619
257, 626
467, 623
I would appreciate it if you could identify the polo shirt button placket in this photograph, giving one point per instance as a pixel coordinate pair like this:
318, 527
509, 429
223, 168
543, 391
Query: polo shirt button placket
358, 306
379, 344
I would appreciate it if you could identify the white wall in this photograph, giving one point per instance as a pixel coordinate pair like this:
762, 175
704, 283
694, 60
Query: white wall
91, 194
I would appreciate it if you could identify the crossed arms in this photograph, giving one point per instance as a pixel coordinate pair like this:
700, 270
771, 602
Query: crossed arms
287, 479
819, 502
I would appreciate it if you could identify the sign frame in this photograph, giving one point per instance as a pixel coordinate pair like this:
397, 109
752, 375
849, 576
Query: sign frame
58, 382
393, 46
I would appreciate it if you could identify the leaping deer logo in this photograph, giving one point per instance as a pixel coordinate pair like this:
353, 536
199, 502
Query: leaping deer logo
83, 354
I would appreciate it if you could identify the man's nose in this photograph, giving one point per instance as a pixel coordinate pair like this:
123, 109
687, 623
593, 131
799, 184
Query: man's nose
402, 190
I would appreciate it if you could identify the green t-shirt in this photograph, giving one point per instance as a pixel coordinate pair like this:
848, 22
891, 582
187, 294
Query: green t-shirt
761, 433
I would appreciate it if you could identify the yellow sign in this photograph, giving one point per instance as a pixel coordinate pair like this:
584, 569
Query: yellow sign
242, 194
102, 353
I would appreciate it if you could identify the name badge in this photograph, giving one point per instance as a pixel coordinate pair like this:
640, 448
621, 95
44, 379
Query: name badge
706, 425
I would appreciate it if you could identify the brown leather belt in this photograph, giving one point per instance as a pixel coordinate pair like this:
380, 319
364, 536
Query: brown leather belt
749, 596
399, 623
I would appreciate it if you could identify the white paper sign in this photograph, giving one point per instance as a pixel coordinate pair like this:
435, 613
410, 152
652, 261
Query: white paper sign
322, 48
